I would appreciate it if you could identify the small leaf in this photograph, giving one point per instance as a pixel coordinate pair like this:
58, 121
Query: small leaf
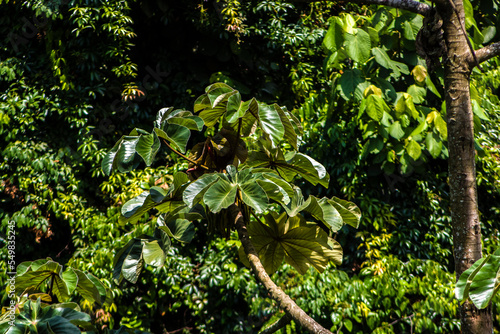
396, 131
413, 149
419, 74
434, 144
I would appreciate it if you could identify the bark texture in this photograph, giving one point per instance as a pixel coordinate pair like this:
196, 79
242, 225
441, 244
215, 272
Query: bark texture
284, 301
461, 163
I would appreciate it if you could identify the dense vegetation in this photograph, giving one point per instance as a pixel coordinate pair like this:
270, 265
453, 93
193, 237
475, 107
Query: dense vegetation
76, 77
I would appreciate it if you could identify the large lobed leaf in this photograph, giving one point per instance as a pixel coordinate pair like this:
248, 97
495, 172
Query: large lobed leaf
34, 276
300, 244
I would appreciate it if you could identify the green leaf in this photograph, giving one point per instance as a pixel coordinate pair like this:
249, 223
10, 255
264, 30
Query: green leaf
405, 106
478, 111
270, 122
358, 45
128, 261
50, 273
194, 191
383, 59
413, 149
430, 85
178, 225
396, 131
218, 100
441, 126
153, 254
489, 33
177, 135
417, 93
347, 324
434, 144
325, 212
349, 81
375, 107
465, 280
290, 135
147, 147
334, 36
419, 129
220, 195
135, 208
276, 188
297, 203
308, 168
301, 244
486, 282
87, 288
70, 277
349, 211
249, 114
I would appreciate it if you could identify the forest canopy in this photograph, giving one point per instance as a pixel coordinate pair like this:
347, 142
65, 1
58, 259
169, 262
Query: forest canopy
78, 76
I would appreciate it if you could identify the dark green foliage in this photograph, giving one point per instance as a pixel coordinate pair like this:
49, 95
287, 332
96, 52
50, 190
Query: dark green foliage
74, 80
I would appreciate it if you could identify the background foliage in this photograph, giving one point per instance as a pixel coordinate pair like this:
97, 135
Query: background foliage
77, 76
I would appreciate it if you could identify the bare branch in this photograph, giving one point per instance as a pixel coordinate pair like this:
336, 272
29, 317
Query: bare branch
284, 301
409, 5
488, 52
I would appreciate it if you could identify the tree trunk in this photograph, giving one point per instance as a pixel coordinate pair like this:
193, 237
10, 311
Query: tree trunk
458, 64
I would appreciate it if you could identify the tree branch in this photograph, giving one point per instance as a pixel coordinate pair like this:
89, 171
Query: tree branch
488, 52
284, 301
409, 5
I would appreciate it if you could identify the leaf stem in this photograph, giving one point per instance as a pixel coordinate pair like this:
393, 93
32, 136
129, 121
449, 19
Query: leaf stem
183, 156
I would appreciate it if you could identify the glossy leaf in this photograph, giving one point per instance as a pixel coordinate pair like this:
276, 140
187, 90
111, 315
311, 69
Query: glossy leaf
349, 211
194, 191
128, 261
220, 195
325, 212
481, 281
153, 254
47, 320
270, 122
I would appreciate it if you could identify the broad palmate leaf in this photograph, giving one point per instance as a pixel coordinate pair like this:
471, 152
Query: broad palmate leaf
299, 243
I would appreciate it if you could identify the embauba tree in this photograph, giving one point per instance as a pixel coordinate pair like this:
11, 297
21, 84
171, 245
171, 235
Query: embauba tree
238, 178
